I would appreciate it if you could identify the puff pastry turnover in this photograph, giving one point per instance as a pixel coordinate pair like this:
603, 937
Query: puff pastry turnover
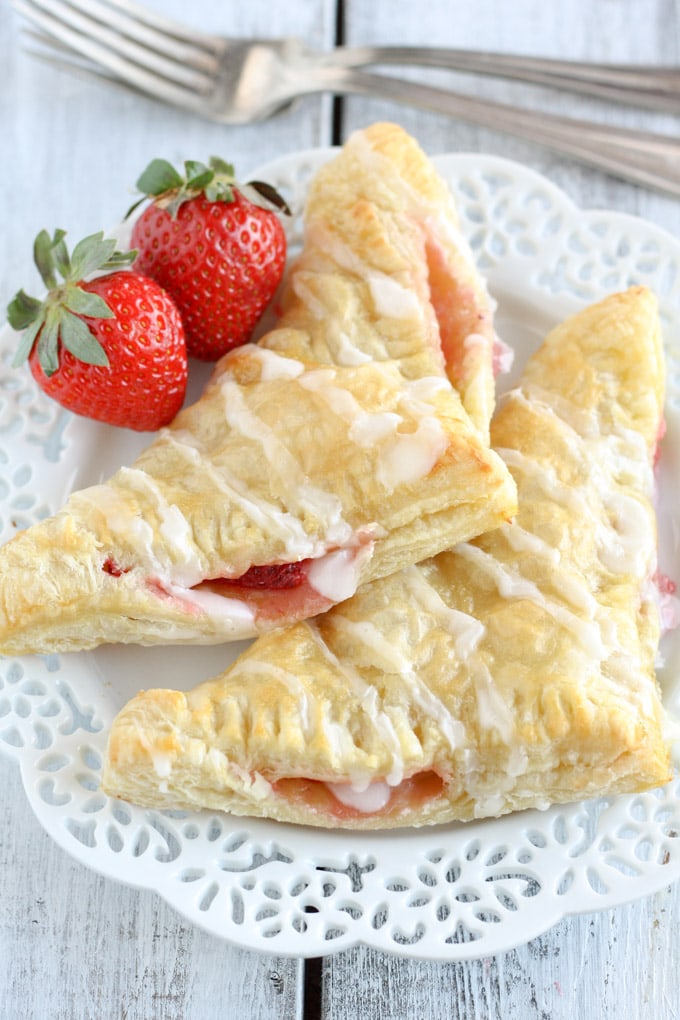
513, 671
333, 451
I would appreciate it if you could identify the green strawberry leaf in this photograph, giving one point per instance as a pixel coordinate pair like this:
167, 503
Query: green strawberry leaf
60, 254
161, 182
48, 343
198, 175
220, 166
84, 303
27, 340
77, 338
135, 205
219, 191
91, 254
159, 177
43, 253
121, 258
58, 318
22, 310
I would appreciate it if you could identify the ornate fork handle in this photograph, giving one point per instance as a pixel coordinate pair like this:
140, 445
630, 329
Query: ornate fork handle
651, 160
657, 88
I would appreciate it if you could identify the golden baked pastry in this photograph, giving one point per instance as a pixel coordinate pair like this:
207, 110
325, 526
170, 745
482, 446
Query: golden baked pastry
332, 452
511, 672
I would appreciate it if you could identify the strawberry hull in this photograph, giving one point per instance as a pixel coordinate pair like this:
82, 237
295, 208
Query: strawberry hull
144, 383
221, 262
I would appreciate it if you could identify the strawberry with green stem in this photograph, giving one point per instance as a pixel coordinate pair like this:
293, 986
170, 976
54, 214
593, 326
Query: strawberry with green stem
111, 347
218, 247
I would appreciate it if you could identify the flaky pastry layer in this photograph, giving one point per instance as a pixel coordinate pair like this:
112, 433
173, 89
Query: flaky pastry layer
337, 442
512, 671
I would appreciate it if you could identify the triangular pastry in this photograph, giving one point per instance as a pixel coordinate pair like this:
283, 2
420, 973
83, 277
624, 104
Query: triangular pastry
513, 671
331, 452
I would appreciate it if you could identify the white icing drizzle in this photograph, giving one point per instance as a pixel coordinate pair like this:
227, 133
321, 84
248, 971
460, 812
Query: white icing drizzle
267, 516
405, 456
300, 493
336, 575
387, 657
412, 455
258, 668
371, 429
580, 423
492, 710
627, 545
574, 499
367, 800
180, 556
276, 366
465, 629
368, 698
512, 585
347, 353
521, 540
236, 617
571, 585
339, 400
391, 299
625, 533
306, 294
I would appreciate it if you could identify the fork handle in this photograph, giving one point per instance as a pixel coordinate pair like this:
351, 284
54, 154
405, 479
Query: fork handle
651, 160
657, 88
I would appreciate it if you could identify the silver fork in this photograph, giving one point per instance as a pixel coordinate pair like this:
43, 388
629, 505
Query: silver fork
239, 81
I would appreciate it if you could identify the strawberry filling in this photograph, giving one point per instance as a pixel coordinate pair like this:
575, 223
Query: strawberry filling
270, 593
330, 800
280, 591
109, 566
275, 576
661, 432
455, 307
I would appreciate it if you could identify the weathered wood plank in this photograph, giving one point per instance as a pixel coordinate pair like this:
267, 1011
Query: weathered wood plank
617, 963
74, 945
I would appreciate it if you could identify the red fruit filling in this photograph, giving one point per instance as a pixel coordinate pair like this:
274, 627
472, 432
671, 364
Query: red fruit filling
455, 307
276, 592
409, 794
110, 566
278, 575
279, 591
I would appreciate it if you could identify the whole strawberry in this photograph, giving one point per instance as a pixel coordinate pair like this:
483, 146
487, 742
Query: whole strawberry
111, 348
217, 247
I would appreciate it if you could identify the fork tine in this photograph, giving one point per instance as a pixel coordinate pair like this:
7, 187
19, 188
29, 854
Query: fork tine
124, 17
58, 54
129, 70
97, 41
168, 26
65, 59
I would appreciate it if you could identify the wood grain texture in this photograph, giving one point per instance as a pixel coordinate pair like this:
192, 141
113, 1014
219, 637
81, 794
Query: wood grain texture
616, 963
75, 946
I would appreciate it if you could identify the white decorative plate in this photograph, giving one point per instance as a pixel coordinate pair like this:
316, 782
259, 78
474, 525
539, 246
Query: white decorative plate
447, 893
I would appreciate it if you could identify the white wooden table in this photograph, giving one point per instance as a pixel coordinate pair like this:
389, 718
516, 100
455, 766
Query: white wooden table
74, 945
